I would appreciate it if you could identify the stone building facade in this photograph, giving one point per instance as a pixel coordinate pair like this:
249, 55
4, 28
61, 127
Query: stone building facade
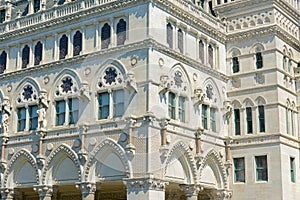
149, 99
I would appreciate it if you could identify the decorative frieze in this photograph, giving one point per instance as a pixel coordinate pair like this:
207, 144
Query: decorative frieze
142, 184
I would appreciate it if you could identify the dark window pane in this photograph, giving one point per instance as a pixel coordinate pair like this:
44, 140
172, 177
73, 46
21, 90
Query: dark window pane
170, 35
2, 16
60, 112
237, 124
201, 51
38, 52
36, 5
118, 98
103, 105
33, 117
77, 43
73, 110
181, 109
25, 56
21, 112
172, 105
259, 60
292, 167
261, 117
121, 32
63, 47
249, 119
210, 56
235, 65
3, 60
60, 2
239, 169
204, 116
261, 168
180, 40
105, 36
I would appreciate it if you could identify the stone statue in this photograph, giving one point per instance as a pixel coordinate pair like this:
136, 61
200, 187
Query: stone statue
42, 122
43, 100
199, 96
5, 122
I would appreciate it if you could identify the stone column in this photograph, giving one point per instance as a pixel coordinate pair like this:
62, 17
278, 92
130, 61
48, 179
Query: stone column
191, 191
145, 188
45, 191
7, 193
88, 190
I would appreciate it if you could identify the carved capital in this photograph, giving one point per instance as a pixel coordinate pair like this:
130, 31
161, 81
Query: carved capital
140, 184
221, 194
191, 190
40, 159
7, 193
43, 190
87, 187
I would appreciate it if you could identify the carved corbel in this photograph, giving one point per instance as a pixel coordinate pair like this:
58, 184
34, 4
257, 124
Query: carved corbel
130, 82
130, 148
43, 99
86, 188
85, 91
43, 190
41, 160
199, 96
164, 84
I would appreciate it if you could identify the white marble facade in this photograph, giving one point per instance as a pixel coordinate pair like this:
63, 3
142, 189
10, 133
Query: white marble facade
111, 99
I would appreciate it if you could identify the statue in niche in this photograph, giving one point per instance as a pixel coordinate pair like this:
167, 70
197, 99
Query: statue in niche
42, 111
6, 111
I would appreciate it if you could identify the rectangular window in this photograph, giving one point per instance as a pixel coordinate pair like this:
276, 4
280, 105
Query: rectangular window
292, 165
2, 16
259, 60
60, 112
235, 65
172, 105
237, 123
103, 105
261, 117
73, 110
249, 120
261, 168
239, 169
181, 109
204, 116
21, 112
33, 117
287, 120
292, 122
118, 98
213, 119
36, 5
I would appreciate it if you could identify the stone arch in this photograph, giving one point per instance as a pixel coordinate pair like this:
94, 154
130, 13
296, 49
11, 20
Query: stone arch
60, 159
260, 101
233, 52
21, 161
213, 170
267, 20
259, 21
258, 47
248, 102
245, 25
180, 161
107, 153
186, 83
238, 26
217, 94
61, 75
236, 104
26, 81
230, 27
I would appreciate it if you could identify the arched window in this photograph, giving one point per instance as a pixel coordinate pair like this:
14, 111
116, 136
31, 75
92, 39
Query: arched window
235, 65
105, 36
249, 120
63, 47
170, 35
210, 56
180, 40
61, 2
3, 59
25, 56
38, 53
77, 43
121, 32
237, 121
36, 5
259, 60
261, 118
2, 15
201, 51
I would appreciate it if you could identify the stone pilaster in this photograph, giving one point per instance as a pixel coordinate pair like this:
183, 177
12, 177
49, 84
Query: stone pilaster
88, 190
7, 193
145, 188
45, 191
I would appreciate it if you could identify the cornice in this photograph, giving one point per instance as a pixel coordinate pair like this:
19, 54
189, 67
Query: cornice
148, 43
288, 9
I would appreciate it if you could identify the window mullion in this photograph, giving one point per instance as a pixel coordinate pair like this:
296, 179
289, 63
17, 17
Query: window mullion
27, 118
111, 104
67, 113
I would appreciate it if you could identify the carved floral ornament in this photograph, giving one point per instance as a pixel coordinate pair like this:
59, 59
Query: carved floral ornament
27, 94
111, 77
67, 85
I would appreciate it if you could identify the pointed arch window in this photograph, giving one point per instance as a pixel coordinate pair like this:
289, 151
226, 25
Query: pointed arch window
121, 32
201, 51
38, 53
25, 56
77, 43
249, 120
36, 5
210, 56
170, 35
105, 36
2, 15
63, 47
261, 118
180, 40
237, 122
259, 60
3, 60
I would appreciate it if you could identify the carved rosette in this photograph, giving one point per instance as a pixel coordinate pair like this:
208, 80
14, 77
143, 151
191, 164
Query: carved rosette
141, 184
44, 190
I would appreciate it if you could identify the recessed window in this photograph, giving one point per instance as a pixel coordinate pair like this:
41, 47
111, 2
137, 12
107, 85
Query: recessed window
62, 116
21, 112
259, 60
110, 104
181, 109
170, 35
36, 5
210, 56
77, 43
172, 105
237, 122
105, 36
25, 56
176, 107
204, 116
249, 120
261, 168
2, 16
121, 32
292, 167
201, 51
38, 53
63, 47
180, 40
239, 169
235, 65
261, 118
3, 60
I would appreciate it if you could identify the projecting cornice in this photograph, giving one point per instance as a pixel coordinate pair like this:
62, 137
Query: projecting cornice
146, 44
